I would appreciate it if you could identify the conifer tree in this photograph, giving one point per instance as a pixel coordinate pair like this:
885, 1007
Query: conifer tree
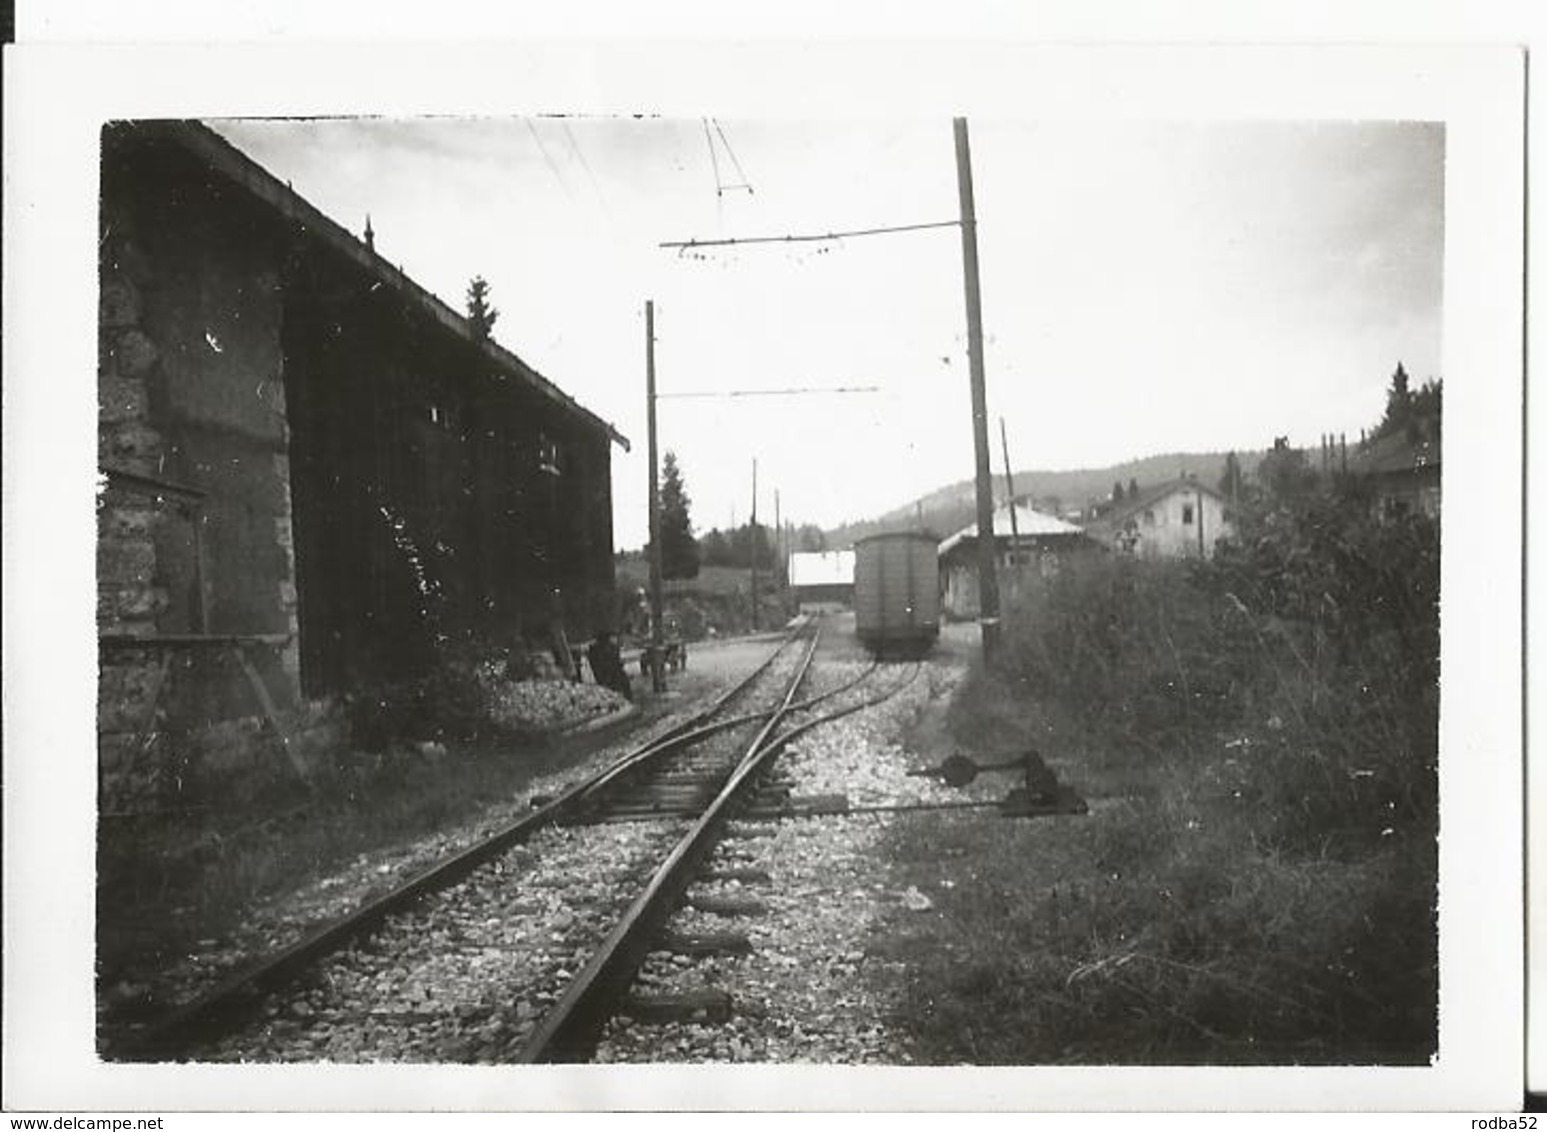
480, 315
679, 549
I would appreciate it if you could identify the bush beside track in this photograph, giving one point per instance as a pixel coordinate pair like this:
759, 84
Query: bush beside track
1256, 881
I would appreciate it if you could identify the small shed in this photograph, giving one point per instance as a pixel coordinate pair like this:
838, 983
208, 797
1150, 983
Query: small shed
822, 582
1033, 546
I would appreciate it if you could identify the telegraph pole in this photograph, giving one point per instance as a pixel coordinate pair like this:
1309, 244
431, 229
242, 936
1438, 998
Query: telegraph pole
657, 676
1202, 548
752, 543
1009, 486
781, 558
988, 581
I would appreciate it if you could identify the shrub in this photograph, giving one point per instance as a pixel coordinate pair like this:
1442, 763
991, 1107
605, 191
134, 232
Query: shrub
451, 701
1259, 884
1296, 674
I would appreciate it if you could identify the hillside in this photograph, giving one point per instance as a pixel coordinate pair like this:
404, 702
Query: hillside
949, 509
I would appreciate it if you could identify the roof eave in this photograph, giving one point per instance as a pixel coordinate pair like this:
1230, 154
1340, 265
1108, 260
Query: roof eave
246, 173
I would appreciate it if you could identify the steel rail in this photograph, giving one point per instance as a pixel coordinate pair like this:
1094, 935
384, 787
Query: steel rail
569, 1031
680, 730
631, 762
800, 729
224, 1006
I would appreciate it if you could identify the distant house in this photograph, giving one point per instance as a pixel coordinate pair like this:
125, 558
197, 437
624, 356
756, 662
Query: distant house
1179, 519
1033, 547
1402, 471
822, 582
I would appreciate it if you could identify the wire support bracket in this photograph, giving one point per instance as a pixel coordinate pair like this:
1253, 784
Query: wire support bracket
810, 237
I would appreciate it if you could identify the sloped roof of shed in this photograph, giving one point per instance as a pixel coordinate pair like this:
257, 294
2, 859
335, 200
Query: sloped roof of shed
1030, 522
827, 568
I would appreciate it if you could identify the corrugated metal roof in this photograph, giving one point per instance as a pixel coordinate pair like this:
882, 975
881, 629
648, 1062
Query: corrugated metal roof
828, 568
1030, 522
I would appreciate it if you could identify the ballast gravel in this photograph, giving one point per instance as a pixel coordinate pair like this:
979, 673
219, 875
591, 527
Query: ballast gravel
809, 991
280, 921
468, 977
469, 973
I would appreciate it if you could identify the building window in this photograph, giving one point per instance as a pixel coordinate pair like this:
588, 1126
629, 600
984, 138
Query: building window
547, 455
1187, 514
1149, 516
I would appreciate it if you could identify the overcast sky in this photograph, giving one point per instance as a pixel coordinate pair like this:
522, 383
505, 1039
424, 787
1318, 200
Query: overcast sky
1146, 286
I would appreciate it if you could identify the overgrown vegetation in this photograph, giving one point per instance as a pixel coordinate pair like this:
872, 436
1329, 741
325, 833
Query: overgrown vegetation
179, 877
475, 690
391, 763
715, 603
1256, 883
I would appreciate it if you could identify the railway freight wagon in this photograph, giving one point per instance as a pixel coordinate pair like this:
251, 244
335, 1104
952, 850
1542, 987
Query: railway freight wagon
897, 592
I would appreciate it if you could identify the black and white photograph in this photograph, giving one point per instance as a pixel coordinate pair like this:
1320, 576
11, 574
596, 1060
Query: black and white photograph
624, 584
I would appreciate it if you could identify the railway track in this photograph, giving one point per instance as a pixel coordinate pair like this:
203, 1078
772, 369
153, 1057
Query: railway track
569, 1031
518, 948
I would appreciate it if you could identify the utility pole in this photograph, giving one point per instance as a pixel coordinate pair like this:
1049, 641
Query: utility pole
988, 582
781, 560
752, 541
1202, 548
657, 676
1009, 486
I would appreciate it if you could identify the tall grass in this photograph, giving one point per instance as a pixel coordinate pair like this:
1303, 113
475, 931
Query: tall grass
1256, 882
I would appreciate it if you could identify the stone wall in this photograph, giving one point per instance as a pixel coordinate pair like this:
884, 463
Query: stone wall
194, 546
129, 517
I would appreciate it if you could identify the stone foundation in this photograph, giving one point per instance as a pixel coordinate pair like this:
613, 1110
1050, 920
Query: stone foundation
194, 539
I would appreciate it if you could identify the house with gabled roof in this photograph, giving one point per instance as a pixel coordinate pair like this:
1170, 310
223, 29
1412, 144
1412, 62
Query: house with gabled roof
1182, 518
1402, 470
